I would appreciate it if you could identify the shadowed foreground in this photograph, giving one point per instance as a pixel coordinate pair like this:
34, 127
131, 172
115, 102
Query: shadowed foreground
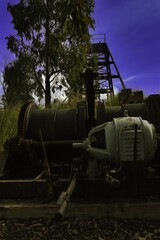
77, 229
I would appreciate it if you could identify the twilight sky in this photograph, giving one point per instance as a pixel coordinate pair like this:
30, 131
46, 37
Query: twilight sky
132, 29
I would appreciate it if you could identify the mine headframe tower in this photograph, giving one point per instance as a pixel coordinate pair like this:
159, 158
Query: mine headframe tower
107, 68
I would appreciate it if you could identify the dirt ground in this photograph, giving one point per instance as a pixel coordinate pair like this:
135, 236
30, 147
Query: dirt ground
79, 229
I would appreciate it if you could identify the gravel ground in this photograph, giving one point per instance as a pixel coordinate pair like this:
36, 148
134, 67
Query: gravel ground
79, 229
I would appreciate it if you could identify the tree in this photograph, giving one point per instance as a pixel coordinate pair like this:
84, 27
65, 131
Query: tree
5, 58
20, 82
49, 31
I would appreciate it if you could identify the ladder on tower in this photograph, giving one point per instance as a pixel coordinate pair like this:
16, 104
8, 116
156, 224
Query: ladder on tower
107, 68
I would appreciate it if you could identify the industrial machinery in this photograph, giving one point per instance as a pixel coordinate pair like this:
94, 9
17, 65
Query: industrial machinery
113, 153
120, 154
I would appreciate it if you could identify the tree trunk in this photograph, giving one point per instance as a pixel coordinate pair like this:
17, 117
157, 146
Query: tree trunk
47, 92
47, 78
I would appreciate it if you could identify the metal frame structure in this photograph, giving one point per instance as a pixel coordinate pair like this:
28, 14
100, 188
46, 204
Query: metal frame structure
107, 68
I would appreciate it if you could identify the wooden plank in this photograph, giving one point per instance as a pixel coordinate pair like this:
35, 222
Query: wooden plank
119, 210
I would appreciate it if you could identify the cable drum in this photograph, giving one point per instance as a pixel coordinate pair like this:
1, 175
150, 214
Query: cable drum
149, 110
136, 110
40, 120
55, 124
65, 125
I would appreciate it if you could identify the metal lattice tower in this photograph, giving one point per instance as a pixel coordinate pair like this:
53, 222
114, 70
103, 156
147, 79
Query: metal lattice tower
107, 68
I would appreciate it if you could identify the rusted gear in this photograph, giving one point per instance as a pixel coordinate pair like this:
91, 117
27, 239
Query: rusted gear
23, 118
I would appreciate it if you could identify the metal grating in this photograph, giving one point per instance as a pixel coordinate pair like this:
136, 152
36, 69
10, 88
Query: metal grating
127, 145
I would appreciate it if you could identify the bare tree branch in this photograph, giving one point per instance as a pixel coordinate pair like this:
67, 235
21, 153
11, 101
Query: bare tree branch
56, 75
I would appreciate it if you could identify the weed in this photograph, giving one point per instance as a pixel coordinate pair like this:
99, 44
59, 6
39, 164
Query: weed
8, 123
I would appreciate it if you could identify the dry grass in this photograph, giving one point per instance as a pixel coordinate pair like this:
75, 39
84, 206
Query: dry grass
8, 123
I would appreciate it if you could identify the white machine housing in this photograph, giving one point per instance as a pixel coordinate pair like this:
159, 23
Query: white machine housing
119, 140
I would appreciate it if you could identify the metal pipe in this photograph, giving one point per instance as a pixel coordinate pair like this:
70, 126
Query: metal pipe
46, 165
64, 199
54, 144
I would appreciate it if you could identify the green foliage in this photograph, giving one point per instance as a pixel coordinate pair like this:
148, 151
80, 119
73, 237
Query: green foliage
54, 33
20, 81
70, 102
114, 101
8, 123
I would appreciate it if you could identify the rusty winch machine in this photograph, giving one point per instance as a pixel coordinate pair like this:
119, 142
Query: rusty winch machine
58, 152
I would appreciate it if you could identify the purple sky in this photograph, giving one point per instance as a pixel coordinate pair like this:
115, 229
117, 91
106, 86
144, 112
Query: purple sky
132, 29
